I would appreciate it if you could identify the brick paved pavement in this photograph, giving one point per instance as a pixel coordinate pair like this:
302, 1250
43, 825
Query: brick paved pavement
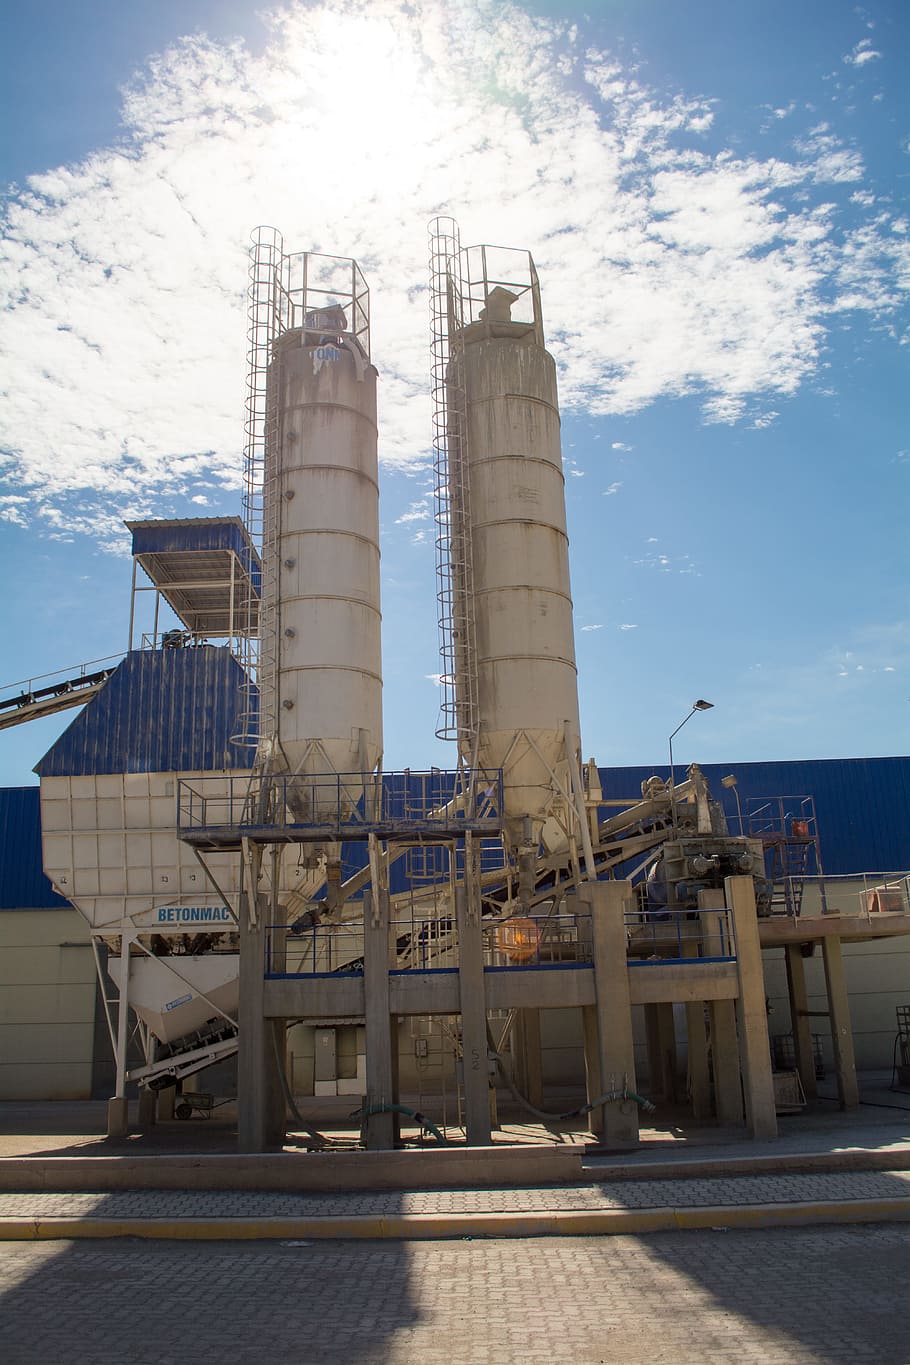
626, 1194
816, 1295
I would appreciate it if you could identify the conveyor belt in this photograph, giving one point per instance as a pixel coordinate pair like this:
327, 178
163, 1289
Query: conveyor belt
46, 701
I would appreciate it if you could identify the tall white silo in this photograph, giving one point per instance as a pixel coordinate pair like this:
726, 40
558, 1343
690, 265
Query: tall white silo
506, 475
320, 663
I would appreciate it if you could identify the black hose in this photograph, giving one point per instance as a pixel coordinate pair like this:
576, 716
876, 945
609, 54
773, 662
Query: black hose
319, 1139
583, 1109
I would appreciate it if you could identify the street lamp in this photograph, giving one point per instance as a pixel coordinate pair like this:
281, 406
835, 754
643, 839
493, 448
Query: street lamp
696, 706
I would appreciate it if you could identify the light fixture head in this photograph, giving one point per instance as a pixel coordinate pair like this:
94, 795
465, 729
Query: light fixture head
728, 781
703, 705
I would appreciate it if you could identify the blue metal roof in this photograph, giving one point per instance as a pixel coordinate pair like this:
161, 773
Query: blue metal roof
862, 805
23, 885
167, 710
192, 534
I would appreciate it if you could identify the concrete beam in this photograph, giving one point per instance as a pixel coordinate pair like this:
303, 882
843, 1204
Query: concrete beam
650, 983
778, 929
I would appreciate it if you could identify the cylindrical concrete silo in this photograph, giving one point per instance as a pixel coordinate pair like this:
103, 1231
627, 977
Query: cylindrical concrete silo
321, 613
527, 696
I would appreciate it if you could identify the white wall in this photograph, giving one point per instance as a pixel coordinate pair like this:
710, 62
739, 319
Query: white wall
47, 1005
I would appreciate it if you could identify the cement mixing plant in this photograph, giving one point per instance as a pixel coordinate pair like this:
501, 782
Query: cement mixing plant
274, 913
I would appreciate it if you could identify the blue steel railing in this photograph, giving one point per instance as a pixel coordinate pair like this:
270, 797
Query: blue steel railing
675, 936
339, 806
429, 943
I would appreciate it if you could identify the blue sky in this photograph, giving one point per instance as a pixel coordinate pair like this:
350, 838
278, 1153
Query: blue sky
716, 199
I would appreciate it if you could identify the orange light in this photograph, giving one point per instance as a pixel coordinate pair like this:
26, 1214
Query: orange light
518, 939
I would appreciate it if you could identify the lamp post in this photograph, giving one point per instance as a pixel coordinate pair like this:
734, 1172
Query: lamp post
696, 706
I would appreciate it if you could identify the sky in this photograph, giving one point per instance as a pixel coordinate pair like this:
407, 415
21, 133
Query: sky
715, 197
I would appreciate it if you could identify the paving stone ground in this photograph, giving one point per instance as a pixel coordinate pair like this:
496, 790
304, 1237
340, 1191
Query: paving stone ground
625, 1194
801, 1296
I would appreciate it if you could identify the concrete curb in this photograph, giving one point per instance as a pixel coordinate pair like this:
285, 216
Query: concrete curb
442, 1168
424, 1226
434, 1168
896, 1158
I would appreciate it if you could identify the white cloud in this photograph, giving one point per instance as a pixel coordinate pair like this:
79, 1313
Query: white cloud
681, 564
613, 489
862, 53
418, 511
597, 627
620, 445
668, 269
628, 625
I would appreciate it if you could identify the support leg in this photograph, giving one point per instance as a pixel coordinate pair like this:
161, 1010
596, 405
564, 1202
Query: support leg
530, 1069
254, 1047
661, 1037
751, 1012
117, 1106
380, 1127
841, 1028
607, 902
473, 1019
728, 1090
593, 1086
724, 1049
799, 1019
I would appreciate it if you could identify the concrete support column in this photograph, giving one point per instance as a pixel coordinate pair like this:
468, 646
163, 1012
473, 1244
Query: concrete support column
472, 997
606, 902
593, 1087
751, 1012
696, 1035
728, 1090
660, 1030
799, 1019
841, 1028
697, 1047
380, 1129
527, 1046
728, 1093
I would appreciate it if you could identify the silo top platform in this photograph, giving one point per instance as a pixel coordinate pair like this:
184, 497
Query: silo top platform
206, 569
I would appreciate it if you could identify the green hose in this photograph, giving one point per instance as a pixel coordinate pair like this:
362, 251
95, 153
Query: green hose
414, 1114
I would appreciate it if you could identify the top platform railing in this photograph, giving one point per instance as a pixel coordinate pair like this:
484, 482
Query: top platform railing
219, 811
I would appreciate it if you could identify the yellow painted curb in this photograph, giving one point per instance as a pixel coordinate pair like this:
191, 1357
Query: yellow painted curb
423, 1226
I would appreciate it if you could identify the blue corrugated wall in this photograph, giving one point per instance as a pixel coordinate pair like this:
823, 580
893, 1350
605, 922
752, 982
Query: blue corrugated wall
166, 710
23, 885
